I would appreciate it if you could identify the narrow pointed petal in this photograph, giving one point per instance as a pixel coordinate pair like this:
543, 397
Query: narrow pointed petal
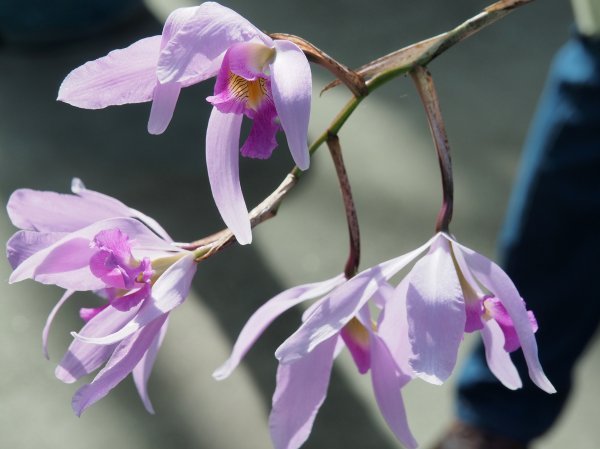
265, 315
335, 310
164, 101
123, 360
56, 212
222, 160
170, 291
204, 37
112, 208
65, 264
24, 244
141, 372
498, 359
436, 314
330, 316
393, 325
83, 358
498, 282
123, 76
393, 266
300, 392
291, 84
50, 319
387, 384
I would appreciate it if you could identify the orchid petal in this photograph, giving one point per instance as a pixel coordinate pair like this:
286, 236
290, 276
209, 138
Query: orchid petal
175, 22
265, 315
383, 295
56, 212
123, 76
112, 207
169, 291
24, 244
498, 359
393, 325
436, 314
393, 266
300, 392
248, 59
46, 331
261, 140
387, 384
65, 263
356, 336
498, 282
142, 370
83, 358
222, 160
212, 30
330, 316
291, 84
164, 101
123, 360
339, 307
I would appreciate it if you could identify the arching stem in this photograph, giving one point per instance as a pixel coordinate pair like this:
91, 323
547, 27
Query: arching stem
335, 149
426, 89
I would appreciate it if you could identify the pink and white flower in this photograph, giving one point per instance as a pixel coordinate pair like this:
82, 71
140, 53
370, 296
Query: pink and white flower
267, 80
92, 242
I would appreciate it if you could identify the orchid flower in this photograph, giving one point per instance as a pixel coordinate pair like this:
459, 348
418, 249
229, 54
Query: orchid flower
302, 383
92, 242
426, 317
267, 80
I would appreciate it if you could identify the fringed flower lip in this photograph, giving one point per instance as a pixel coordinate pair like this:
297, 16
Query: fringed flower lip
269, 81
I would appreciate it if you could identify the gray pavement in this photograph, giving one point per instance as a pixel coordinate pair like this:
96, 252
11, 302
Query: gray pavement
488, 88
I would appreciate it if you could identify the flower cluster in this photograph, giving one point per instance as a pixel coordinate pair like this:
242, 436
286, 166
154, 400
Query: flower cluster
87, 241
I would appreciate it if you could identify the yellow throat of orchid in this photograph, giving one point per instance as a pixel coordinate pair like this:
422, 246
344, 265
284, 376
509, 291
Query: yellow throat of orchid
250, 92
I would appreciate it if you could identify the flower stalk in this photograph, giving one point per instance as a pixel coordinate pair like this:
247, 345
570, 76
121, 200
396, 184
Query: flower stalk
335, 149
426, 88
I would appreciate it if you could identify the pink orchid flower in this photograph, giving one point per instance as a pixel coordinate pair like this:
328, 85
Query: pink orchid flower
302, 383
92, 242
427, 315
267, 80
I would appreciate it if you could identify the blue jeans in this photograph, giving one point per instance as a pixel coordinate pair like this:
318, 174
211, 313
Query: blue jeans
550, 247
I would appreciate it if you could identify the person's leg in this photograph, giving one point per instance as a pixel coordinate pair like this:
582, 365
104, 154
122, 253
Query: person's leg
550, 247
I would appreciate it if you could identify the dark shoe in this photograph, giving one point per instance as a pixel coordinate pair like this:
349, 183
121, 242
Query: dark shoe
465, 436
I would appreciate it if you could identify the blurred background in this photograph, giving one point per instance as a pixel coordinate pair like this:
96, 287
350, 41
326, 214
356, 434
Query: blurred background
488, 88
